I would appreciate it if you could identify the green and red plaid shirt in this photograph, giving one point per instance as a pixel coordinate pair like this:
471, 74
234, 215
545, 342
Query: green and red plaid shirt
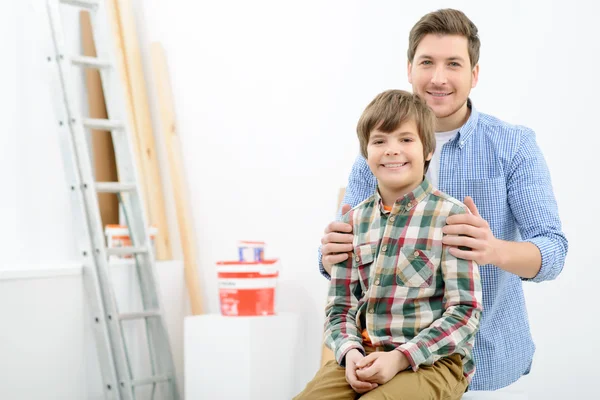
403, 285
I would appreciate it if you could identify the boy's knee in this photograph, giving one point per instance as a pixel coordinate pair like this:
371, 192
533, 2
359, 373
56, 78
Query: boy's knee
370, 396
380, 393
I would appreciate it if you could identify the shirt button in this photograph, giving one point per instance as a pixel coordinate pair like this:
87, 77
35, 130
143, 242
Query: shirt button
377, 282
409, 204
371, 310
384, 248
416, 253
357, 258
392, 218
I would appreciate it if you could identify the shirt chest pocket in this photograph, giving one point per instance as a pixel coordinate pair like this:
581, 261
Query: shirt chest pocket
415, 268
488, 195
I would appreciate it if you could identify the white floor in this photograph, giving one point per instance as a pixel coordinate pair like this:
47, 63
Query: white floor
498, 395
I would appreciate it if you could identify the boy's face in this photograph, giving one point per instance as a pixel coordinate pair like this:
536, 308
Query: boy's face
441, 73
396, 159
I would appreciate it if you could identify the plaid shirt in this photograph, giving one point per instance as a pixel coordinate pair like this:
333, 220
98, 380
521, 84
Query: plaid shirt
410, 293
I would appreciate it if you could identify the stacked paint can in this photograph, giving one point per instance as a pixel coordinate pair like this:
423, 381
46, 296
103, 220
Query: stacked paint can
251, 251
247, 285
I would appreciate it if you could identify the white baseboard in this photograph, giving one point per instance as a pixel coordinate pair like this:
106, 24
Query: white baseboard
52, 269
40, 271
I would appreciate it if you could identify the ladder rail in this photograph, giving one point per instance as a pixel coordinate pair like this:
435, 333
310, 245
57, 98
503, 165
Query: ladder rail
132, 202
109, 78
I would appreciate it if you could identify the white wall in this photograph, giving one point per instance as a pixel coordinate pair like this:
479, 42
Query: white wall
47, 347
268, 94
46, 341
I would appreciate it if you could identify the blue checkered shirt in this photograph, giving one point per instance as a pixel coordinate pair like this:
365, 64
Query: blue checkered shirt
502, 168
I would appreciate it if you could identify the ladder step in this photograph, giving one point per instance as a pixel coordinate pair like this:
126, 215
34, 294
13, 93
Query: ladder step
139, 315
81, 3
102, 124
114, 187
125, 251
151, 380
89, 62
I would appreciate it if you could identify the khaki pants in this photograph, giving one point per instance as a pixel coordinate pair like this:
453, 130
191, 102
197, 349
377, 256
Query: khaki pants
444, 380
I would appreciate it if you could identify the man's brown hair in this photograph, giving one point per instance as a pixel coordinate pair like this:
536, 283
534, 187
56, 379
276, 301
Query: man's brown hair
390, 109
445, 22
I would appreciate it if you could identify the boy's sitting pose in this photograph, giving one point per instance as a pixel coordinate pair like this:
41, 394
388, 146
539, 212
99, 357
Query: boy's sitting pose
402, 311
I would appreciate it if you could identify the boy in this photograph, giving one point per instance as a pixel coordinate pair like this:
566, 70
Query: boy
402, 312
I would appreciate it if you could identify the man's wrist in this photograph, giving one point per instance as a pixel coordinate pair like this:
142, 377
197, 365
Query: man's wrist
324, 272
520, 258
500, 253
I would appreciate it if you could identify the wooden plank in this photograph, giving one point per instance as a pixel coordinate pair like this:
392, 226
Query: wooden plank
113, 16
149, 171
175, 160
105, 167
326, 353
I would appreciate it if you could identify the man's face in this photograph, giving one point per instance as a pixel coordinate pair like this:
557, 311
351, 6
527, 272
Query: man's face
441, 73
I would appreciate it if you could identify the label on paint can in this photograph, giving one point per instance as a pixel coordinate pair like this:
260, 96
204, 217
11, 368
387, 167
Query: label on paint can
247, 288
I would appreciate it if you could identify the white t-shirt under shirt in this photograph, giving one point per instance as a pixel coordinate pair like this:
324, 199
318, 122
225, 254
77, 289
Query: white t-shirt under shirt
433, 173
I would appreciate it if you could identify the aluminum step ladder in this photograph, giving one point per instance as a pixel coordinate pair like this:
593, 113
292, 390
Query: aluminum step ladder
108, 322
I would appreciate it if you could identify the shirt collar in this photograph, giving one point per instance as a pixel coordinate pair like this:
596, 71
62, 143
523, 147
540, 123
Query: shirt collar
409, 200
468, 129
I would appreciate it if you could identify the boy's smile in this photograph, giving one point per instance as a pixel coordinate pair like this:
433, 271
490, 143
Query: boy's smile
395, 166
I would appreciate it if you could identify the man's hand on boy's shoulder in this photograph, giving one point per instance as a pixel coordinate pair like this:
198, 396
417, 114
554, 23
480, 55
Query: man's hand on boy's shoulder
471, 231
381, 366
336, 242
352, 357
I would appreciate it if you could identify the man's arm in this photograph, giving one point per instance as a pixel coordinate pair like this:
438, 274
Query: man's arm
520, 258
341, 332
532, 202
541, 253
361, 185
459, 323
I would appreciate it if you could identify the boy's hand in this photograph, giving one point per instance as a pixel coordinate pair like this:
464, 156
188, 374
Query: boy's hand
381, 366
337, 242
352, 357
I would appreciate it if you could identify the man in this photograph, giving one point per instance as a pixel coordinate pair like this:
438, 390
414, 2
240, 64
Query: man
513, 232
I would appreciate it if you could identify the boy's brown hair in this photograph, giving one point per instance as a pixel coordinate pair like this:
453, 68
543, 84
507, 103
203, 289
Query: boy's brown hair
445, 22
388, 110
